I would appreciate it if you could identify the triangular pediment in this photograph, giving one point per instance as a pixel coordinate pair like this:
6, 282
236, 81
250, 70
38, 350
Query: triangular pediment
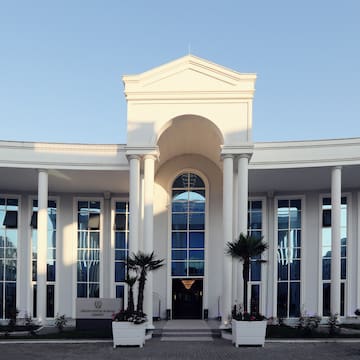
189, 74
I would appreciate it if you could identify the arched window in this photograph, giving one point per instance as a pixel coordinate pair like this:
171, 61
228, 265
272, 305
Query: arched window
188, 226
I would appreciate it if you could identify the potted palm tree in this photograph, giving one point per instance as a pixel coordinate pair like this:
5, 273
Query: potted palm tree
129, 326
142, 264
247, 328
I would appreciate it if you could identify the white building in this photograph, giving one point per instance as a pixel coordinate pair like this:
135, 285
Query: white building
193, 180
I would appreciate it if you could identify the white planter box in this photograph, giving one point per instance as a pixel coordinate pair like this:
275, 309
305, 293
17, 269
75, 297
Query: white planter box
127, 333
248, 332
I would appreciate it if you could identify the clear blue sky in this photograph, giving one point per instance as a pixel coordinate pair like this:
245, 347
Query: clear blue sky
61, 62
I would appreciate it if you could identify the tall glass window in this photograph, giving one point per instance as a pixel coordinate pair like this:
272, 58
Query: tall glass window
188, 226
255, 229
288, 257
121, 229
51, 258
326, 253
88, 257
8, 255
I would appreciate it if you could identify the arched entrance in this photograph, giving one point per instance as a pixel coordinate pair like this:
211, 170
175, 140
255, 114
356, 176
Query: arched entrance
188, 210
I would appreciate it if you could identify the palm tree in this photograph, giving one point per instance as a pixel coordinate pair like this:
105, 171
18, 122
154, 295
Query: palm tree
130, 281
143, 263
246, 248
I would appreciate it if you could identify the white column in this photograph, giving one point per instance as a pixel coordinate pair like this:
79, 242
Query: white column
134, 207
149, 172
335, 240
243, 190
134, 203
243, 162
42, 234
228, 178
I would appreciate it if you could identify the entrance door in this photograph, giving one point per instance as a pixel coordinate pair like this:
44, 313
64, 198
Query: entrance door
187, 298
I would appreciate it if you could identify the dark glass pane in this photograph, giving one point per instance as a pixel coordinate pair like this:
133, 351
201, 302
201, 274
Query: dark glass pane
83, 221
283, 239
83, 205
119, 271
2, 300
196, 268
295, 219
196, 240
52, 204
197, 200
343, 251
196, 255
295, 270
34, 271
326, 269
295, 204
120, 291
95, 205
120, 240
196, 221
179, 221
181, 181
94, 240
50, 274
82, 240
326, 218
282, 271
283, 219
121, 206
296, 253
52, 239
81, 290
52, 220
50, 301
1, 270
178, 268
255, 271
10, 299
326, 201
120, 255
282, 299
326, 299
256, 205
180, 206
94, 290
295, 238
94, 271
120, 222
255, 220
11, 253
179, 240
283, 204
343, 200
255, 299
34, 301
342, 299
343, 268
294, 310
11, 219
33, 221
2, 201
10, 270
179, 255
256, 234
12, 202
81, 271
11, 238
196, 181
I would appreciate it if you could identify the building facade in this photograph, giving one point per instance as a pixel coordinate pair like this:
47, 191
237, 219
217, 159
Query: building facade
189, 179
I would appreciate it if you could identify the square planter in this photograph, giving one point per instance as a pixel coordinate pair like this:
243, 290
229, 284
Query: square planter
127, 333
248, 332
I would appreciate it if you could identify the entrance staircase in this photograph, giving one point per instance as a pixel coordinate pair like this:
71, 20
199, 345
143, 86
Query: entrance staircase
189, 330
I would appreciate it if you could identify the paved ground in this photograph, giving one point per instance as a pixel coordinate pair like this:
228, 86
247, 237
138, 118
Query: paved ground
155, 349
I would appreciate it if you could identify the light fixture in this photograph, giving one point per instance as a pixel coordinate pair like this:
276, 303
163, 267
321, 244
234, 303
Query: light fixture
187, 283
